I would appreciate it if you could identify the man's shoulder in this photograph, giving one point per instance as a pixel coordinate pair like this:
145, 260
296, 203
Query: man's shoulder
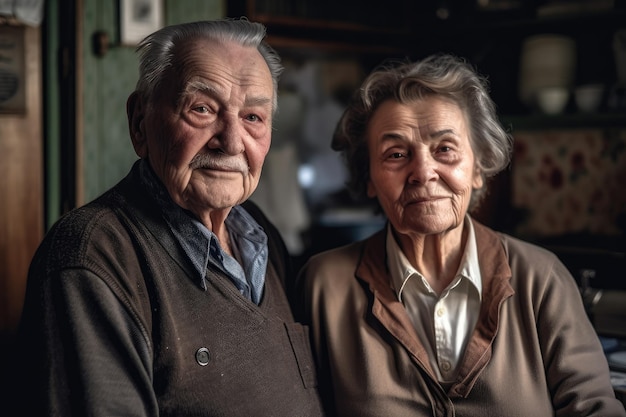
95, 213
85, 230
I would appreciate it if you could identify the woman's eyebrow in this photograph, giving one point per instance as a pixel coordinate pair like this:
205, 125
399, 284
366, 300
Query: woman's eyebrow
391, 137
442, 132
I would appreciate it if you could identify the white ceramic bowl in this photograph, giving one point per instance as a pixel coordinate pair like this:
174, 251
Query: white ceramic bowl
588, 97
546, 61
552, 100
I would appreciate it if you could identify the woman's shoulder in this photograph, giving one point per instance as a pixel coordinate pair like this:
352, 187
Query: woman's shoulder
336, 259
329, 277
527, 250
534, 266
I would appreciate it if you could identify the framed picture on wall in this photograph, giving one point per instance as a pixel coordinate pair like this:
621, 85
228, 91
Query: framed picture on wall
12, 70
139, 18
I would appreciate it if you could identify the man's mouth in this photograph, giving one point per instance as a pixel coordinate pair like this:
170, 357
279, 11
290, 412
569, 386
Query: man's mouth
219, 163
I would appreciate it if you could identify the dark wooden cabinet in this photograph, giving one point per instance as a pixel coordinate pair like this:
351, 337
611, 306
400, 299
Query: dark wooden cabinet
490, 37
353, 26
493, 43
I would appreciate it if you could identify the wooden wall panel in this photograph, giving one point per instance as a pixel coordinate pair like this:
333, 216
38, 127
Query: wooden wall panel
21, 188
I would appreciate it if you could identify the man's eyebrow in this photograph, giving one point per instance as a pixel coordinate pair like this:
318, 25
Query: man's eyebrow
200, 86
258, 101
197, 85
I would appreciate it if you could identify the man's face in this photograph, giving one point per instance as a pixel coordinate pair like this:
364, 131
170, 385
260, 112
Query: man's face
208, 130
422, 167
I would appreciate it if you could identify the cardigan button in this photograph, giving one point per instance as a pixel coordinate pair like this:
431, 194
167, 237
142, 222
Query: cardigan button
202, 356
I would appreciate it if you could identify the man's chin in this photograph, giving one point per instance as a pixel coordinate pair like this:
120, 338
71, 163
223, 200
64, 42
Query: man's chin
221, 201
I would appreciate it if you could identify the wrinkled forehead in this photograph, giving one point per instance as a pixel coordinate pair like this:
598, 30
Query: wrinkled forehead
242, 61
225, 63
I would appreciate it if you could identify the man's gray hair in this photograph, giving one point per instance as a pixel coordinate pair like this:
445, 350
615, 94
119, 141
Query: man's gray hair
157, 51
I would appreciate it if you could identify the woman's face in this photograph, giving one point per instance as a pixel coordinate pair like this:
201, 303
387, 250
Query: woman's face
422, 167
208, 133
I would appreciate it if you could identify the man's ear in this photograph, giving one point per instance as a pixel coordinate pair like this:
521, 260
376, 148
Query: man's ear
135, 110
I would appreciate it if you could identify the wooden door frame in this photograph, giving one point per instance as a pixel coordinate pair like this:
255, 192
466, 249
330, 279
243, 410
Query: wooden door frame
70, 86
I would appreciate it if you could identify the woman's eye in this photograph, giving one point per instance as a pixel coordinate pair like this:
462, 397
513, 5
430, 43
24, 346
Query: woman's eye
396, 155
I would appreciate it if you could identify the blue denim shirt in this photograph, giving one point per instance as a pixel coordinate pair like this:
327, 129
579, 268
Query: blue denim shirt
203, 248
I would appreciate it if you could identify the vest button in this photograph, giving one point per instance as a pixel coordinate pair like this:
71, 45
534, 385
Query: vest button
202, 356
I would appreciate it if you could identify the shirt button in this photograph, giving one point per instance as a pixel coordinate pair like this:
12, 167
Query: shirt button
445, 366
202, 356
441, 311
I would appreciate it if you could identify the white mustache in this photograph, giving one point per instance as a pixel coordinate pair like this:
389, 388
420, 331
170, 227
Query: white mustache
220, 162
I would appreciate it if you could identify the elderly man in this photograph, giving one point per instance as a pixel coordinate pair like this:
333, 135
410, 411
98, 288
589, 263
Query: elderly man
166, 295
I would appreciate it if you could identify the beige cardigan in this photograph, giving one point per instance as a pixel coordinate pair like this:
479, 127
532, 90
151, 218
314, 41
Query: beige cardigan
533, 352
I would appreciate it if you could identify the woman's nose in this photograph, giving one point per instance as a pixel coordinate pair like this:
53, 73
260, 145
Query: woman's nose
422, 168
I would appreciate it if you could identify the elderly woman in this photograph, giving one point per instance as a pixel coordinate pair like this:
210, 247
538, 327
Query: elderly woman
437, 315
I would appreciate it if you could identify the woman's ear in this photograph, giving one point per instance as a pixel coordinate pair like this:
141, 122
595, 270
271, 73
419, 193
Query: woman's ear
135, 110
371, 190
478, 181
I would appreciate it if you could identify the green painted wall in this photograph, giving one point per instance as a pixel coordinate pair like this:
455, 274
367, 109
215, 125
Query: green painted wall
52, 115
107, 150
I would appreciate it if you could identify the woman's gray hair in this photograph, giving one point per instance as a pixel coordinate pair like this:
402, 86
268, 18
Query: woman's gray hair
157, 51
439, 75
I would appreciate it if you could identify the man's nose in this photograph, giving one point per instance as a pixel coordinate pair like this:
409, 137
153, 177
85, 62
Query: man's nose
229, 136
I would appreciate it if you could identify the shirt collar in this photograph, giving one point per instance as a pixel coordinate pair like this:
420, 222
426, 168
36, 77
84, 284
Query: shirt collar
401, 269
470, 267
200, 244
196, 243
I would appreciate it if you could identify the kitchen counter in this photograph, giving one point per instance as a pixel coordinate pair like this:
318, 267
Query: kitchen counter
615, 350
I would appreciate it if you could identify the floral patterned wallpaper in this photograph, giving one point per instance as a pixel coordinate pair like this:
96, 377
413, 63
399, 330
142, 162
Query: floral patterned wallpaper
571, 181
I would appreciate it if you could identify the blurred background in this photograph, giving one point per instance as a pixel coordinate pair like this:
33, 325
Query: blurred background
556, 68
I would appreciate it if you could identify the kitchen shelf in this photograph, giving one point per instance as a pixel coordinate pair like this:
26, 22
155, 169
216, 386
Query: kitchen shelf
524, 25
330, 26
564, 121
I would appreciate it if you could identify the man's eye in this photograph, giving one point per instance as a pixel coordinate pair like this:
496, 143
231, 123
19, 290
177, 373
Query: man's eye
253, 118
201, 109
